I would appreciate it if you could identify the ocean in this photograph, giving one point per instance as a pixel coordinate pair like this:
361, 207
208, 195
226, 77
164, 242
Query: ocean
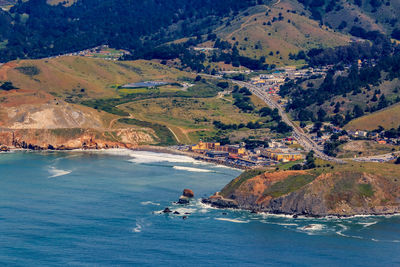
104, 209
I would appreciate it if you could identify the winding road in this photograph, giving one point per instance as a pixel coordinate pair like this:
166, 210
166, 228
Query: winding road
302, 138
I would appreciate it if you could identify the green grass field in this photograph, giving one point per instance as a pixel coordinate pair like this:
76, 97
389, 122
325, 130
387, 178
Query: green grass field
387, 118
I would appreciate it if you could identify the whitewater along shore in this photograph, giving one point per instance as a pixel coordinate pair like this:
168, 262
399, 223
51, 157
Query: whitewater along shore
92, 144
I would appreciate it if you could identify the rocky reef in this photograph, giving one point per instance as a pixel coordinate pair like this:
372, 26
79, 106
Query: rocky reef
359, 189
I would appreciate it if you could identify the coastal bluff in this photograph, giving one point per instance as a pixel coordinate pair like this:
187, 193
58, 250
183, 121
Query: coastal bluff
359, 189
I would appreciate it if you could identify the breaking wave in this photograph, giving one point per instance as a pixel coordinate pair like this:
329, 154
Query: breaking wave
54, 172
231, 220
189, 169
149, 203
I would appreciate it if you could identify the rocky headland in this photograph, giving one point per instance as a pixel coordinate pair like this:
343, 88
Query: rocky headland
348, 190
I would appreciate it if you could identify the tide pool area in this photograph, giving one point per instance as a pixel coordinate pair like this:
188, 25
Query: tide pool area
102, 208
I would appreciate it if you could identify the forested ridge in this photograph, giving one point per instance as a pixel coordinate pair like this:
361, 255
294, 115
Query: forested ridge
35, 29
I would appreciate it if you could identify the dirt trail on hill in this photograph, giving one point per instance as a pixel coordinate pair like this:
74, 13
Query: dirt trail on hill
242, 26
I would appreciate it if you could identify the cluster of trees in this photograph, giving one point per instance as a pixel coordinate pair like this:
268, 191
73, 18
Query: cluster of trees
308, 164
380, 47
331, 147
250, 125
194, 59
334, 85
7, 86
392, 133
233, 57
35, 29
319, 8
242, 99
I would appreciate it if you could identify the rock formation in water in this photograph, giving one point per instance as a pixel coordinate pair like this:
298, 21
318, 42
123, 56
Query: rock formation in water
186, 196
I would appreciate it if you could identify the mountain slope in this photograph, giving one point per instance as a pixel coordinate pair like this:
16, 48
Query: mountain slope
280, 29
83, 78
387, 118
39, 29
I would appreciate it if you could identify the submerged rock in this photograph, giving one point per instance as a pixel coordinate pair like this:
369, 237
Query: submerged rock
167, 210
183, 200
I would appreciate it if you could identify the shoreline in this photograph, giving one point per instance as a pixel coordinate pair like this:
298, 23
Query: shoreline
145, 148
205, 201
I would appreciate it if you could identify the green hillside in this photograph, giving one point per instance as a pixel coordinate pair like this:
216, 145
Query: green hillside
275, 31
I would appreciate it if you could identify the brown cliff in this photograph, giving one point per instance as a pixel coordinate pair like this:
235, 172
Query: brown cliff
370, 188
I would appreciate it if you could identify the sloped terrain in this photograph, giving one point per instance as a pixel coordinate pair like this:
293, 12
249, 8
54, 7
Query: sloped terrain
387, 118
49, 92
275, 31
337, 190
83, 78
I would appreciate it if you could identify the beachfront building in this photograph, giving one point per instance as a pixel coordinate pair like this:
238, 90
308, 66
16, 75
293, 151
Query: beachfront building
211, 146
283, 156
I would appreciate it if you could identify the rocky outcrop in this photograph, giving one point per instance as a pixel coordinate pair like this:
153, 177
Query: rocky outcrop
318, 192
187, 195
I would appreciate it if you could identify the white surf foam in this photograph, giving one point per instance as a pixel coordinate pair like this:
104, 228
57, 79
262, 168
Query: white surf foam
231, 220
137, 229
152, 157
312, 227
185, 210
287, 224
149, 203
54, 172
367, 224
190, 169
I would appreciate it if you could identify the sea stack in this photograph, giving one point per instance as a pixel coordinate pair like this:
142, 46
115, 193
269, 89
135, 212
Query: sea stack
186, 196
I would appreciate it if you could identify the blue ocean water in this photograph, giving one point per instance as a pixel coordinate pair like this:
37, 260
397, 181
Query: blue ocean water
103, 208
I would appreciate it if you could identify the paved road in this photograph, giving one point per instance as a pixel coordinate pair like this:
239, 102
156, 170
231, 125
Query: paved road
302, 138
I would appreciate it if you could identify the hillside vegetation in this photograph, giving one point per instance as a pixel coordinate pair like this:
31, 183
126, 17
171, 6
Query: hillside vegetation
387, 118
78, 78
344, 190
275, 31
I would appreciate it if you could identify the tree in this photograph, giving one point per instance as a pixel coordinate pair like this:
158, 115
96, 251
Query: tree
310, 161
223, 85
358, 111
7, 86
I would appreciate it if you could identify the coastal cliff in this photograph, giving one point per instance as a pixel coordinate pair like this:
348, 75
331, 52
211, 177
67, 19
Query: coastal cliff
351, 189
73, 138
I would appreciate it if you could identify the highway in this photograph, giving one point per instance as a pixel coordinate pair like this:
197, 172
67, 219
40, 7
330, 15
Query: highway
302, 138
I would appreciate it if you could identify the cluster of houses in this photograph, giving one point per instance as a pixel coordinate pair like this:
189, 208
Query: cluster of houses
239, 156
377, 136
102, 51
272, 82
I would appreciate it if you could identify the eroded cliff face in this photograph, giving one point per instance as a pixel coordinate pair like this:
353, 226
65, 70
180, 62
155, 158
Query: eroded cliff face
313, 193
73, 138
36, 120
